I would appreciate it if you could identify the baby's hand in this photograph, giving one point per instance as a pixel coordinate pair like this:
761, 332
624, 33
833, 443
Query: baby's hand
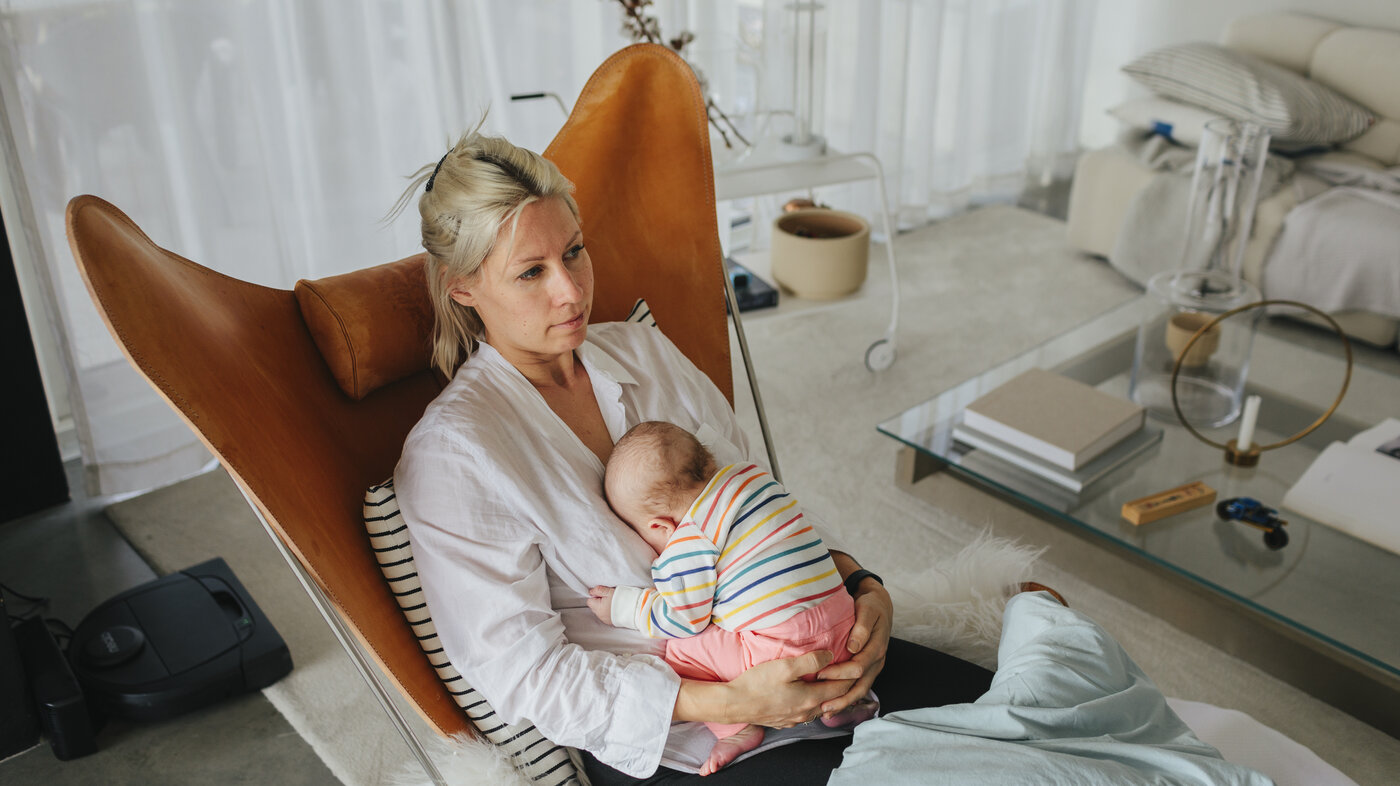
600, 601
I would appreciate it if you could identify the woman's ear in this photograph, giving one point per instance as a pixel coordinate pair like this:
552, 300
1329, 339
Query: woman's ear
462, 292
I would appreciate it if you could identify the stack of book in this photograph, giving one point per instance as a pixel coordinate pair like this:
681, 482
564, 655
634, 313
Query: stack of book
1057, 429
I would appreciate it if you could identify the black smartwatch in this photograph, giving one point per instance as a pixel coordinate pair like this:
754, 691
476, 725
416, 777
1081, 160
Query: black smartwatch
853, 581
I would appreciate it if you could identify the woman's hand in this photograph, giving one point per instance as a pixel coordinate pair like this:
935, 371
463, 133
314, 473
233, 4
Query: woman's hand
770, 694
868, 642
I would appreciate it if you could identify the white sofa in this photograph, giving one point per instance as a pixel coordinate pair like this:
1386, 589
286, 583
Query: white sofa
1360, 63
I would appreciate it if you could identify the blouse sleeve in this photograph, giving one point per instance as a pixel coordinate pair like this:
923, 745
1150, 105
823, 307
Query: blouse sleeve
485, 580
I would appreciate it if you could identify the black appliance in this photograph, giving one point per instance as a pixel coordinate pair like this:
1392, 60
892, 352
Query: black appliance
176, 644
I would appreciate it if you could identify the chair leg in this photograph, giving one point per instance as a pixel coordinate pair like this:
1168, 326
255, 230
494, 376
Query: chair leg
733, 302
367, 670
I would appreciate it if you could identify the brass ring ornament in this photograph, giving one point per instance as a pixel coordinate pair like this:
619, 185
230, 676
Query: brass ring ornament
1251, 456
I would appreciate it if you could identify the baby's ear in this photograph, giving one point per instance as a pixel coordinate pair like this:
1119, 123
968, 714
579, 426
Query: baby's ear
662, 524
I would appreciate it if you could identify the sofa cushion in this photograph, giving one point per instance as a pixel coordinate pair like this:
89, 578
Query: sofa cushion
1295, 109
1361, 63
1285, 39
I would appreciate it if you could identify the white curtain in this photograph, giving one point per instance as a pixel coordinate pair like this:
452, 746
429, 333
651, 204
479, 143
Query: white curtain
963, 101
266, 139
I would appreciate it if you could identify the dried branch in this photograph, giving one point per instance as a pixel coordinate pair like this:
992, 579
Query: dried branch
640, 26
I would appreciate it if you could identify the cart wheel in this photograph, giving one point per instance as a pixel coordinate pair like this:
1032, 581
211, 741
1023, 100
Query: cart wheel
1222, 509
1276, 538
880, 355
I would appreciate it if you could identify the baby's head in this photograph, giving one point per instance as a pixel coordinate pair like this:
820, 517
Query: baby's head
656, 470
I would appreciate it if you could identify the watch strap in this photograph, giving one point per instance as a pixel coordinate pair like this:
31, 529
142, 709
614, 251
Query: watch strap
853, 581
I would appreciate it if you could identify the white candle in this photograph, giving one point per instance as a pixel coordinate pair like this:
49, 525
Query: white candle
1247, 421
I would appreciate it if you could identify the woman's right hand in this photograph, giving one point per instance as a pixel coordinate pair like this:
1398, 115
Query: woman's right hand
770, 694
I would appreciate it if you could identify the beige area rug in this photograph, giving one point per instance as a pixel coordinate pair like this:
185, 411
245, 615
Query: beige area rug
976, 290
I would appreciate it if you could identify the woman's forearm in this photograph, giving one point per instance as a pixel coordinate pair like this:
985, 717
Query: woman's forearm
771, 694
708, 702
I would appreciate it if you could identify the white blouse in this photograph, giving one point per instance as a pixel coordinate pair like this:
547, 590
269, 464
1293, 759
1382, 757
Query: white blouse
509, 526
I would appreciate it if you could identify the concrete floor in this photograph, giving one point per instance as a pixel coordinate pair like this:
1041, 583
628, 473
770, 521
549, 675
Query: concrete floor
73, 555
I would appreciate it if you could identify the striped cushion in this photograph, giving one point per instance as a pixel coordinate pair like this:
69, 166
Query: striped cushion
1295, 109
537, 757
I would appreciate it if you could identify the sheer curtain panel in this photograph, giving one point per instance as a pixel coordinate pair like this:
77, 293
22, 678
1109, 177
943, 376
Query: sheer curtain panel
267, 139
262, 138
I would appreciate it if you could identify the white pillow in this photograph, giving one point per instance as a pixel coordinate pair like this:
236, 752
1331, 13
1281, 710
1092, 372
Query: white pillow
1294, 108
1181, 123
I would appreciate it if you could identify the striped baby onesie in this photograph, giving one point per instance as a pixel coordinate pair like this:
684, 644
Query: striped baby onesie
743, 558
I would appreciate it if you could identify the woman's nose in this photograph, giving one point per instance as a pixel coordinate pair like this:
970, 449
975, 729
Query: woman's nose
566, 288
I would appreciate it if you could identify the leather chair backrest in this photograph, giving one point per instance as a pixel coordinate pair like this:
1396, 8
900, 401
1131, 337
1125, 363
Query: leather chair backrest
240, 364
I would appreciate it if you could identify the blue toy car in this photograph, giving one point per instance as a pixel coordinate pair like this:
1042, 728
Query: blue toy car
1248, 510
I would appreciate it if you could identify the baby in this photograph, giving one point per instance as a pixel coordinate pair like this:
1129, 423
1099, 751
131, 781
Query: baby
740, 577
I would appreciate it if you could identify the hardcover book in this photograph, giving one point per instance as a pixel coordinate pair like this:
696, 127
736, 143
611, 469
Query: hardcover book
1075, 480
1058, 419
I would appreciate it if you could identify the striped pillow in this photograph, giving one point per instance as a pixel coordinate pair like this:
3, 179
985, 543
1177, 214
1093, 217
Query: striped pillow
1295, 109
534, 755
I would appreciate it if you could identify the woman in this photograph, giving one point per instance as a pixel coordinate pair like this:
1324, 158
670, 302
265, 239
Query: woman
500, 485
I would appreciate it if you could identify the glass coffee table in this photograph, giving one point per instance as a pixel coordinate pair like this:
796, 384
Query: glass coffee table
1331, 597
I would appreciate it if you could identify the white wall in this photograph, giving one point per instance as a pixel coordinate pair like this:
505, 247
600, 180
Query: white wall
1124, 29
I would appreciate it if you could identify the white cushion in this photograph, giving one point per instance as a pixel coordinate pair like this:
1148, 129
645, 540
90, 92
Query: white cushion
1238, 85
1181, 123
1284, 39
1362, 64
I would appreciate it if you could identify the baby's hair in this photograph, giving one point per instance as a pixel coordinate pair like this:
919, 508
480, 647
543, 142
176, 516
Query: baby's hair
671, 459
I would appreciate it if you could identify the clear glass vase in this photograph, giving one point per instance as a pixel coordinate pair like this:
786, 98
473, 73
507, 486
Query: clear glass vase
1210, 384
1220, 217
1224, 193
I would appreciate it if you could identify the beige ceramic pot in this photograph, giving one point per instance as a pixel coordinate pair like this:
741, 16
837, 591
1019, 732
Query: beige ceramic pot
1181, 327
820, 254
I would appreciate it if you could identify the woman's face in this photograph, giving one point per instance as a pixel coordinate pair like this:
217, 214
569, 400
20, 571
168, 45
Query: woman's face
534, 295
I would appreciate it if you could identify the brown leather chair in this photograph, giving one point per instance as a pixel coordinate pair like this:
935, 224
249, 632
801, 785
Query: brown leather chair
306, 396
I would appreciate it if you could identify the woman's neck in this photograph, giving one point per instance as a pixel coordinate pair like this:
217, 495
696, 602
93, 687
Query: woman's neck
558, 372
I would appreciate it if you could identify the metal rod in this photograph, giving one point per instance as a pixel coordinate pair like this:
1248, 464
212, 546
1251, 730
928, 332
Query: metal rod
366, 669
889, 243
748, 369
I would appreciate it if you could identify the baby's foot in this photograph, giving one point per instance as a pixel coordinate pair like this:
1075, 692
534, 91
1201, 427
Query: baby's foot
860, 712
731, 747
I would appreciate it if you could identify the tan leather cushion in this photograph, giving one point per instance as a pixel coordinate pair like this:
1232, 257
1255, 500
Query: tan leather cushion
372, 326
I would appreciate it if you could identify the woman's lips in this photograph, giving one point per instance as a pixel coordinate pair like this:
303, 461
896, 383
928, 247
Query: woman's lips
572, 323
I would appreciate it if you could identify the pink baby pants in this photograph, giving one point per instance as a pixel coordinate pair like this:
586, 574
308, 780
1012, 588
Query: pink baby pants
719, 655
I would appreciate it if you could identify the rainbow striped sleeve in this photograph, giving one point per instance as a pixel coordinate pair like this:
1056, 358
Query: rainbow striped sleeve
683, 577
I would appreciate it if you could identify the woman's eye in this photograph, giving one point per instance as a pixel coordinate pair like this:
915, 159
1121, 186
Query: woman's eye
533, 272
574, 252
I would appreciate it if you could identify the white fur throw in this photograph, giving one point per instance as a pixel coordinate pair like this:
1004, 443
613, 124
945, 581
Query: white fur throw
954, 605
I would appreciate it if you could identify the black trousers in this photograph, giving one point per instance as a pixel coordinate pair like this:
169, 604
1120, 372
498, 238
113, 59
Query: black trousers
914, 676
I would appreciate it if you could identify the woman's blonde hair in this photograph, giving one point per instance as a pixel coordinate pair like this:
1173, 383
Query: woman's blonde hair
482, 183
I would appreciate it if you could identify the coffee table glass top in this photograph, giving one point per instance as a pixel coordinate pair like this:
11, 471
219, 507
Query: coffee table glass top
1324, 583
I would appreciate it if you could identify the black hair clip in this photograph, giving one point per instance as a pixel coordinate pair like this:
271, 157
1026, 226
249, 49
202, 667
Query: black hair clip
436, 169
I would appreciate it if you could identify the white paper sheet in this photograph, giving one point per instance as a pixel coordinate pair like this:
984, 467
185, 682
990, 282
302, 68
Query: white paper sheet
1355, 488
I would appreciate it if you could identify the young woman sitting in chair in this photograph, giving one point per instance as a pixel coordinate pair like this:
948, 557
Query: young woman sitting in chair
501, 486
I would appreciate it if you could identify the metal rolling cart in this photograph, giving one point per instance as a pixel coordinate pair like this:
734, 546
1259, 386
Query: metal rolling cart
776, 176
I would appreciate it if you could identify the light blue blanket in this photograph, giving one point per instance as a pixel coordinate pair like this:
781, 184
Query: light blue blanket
1067, 706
